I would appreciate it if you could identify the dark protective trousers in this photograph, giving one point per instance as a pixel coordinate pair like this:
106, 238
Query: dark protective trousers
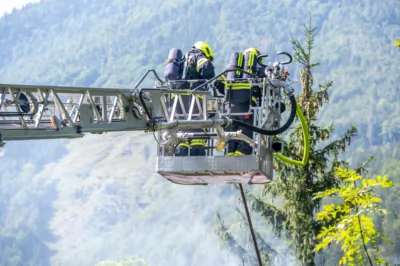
196, 146
195, 150
240, 147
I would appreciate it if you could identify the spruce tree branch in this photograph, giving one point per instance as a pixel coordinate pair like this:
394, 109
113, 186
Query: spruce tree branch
270, 213
266, 250
227, 240
299, 53
265, 247
340, 143
361, 170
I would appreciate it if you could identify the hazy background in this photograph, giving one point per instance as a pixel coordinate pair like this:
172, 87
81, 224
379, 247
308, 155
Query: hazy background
84, 201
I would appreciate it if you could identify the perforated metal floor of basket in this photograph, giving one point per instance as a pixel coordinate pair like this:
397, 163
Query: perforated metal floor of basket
204, 170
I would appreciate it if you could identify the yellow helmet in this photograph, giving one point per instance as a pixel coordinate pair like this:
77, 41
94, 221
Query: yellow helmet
205, 48
254, 51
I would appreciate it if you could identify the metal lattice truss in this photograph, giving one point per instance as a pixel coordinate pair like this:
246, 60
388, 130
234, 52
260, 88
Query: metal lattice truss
204, 105
44, 112
48, 112
256, 168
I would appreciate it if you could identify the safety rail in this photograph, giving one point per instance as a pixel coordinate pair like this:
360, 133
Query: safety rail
265, 115
204, 108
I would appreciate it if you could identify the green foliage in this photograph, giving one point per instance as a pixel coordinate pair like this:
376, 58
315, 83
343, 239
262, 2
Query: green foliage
227, 241
246, 253
295, 186
350, 221
97, 197
397, 43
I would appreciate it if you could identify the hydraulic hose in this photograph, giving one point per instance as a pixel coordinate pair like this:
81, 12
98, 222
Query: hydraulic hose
275, 131
221, 74
144, 104
306, 141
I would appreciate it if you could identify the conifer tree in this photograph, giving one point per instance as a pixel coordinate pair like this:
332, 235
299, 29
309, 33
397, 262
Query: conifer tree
296, 186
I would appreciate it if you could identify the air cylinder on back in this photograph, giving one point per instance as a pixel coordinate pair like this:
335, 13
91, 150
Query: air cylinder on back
250, 64
174, 67
235, 61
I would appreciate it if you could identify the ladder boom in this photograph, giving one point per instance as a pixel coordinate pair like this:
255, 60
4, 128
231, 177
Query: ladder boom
47, 112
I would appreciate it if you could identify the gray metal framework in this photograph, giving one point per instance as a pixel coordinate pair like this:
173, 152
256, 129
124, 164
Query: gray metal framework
48, 112
65, 112
256, 168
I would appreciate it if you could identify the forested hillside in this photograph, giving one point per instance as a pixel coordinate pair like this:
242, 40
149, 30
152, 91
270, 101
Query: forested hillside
84, 201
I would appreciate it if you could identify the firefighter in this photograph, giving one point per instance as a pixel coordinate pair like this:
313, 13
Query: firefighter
240, 97
198, 65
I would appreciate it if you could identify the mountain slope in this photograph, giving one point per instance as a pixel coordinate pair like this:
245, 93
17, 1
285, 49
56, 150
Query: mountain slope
107, 202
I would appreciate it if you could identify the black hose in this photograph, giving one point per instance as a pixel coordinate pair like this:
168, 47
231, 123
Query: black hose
275, 131
141, 90
144, 104
145, 75
234, 122
12, 114
290, 59
198, 87
259, 58
221, 74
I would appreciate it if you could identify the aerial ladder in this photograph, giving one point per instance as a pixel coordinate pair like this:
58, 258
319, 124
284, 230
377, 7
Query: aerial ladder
29, 112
